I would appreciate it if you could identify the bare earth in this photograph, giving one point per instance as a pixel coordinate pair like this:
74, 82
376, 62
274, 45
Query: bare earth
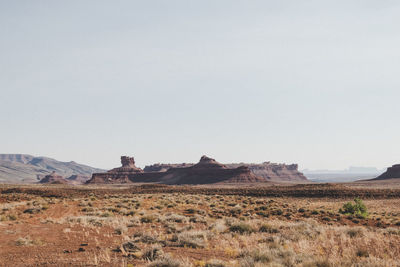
152, 225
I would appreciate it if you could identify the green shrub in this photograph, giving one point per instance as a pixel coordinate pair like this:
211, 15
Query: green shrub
358, 209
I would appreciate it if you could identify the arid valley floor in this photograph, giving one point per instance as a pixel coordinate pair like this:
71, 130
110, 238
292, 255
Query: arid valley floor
153, 225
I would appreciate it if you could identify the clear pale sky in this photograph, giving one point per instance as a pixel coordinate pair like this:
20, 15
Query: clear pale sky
310, 82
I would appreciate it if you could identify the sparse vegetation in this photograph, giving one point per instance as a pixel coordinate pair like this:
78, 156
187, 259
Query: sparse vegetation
241, 228
358, 208
114, 230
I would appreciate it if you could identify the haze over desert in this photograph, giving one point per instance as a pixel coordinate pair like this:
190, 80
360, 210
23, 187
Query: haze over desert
199, 133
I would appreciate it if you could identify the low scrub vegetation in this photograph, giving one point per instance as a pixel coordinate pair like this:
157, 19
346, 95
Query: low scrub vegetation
192, 230
358, 208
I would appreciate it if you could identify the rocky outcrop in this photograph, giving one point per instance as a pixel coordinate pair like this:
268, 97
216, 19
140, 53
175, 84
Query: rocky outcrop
275, 172
161, 167
391, 173
119, 175
270, 171
53, 178
207, 171
77, 179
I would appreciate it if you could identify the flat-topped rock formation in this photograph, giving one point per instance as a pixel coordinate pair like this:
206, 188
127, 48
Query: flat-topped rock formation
275, 172
270, 171
392, 172
163, 167
120, 175
53, 178
207, 171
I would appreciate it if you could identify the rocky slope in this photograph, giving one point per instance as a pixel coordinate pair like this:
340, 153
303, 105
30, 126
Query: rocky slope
123, 174
53, 178
207, 171
78, 179
20, 168
163, 167
275, 172
391, 173
270, 171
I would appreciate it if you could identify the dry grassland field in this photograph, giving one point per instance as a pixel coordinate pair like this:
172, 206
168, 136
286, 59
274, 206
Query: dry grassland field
129, 226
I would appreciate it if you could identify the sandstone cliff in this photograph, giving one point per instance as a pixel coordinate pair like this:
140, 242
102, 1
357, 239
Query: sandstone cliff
119, 175
270, 171
163, 167
207, 171
275, 172
392, 172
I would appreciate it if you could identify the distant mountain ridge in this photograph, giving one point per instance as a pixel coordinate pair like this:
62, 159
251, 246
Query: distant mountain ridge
347, 175
22, 168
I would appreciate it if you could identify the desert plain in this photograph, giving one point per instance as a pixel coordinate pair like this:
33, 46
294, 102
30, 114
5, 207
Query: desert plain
219, 225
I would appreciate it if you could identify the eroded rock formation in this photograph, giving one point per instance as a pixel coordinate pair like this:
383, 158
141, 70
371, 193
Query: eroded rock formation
270, 171
119, 175
275, 172
207, 171
163, 167
77, 179
392, 172
53, 178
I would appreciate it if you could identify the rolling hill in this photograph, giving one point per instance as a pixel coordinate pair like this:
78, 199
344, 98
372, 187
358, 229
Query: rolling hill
20, 168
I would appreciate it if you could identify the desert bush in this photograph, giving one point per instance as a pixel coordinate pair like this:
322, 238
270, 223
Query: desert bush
266, 228
358, 209
165, 261
198, 219
354, 232
362, 253
328, 219
392, 231
120, 230
12, 217
236, 210
130, 247
152, 253
317, 263
148, 218
256, 255
23, 241
32, 210
215, 263
241, 228
195, 239
148, 238
176, 218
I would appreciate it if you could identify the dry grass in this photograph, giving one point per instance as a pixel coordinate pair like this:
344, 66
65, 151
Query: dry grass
190, 230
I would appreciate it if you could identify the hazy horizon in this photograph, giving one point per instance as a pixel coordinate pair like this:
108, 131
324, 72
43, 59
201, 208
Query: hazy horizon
312, 83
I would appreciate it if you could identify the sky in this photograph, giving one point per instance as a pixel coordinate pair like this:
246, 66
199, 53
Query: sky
310, 82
